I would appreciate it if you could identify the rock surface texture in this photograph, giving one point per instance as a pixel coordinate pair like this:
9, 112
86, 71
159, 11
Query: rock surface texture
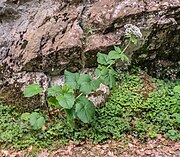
41, 38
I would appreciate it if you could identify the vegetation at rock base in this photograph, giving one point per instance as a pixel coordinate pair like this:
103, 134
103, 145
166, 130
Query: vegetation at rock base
133, 108
72, 97
139, 105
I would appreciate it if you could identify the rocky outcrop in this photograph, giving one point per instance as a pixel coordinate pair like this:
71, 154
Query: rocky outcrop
48, 36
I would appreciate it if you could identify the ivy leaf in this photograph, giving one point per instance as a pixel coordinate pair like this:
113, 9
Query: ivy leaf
176, 89
71, 79
32, 89
36, 120
114, 55
54, 91
66, 100
85, 83
104, 59
85, 109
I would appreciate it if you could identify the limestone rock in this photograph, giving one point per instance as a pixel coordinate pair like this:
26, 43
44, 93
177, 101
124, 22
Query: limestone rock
12, 89
45, 36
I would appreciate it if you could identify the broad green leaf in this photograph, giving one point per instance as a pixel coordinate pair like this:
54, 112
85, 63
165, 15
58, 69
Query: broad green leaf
40, 122
104, 59
71, 115
114, 55
110, 79
57, 90
66, 100
107, 76
98, 71
105, 70
32, 89
95, 84
176, 89
85, 109
85, 83
71, 79
36, 120
124, 58
25, 116
33, 118
101, 70
66, 89
117, 49
53, 101
54, 91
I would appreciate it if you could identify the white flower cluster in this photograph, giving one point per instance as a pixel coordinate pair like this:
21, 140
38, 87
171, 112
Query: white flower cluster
132, 29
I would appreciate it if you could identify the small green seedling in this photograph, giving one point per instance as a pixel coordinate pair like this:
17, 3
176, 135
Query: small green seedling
36, 120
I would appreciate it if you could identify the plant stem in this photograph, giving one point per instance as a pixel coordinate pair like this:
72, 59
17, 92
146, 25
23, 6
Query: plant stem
127, 45
79, 95
46, 103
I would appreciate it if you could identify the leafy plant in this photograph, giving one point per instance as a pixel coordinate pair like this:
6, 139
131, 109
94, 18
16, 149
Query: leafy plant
35, 119
126, 112
73, 96
157, 114
16, 131
173, 134
85, 109
32, 89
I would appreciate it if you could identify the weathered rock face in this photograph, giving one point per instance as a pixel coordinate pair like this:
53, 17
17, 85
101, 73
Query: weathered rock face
45, 37
159, 21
